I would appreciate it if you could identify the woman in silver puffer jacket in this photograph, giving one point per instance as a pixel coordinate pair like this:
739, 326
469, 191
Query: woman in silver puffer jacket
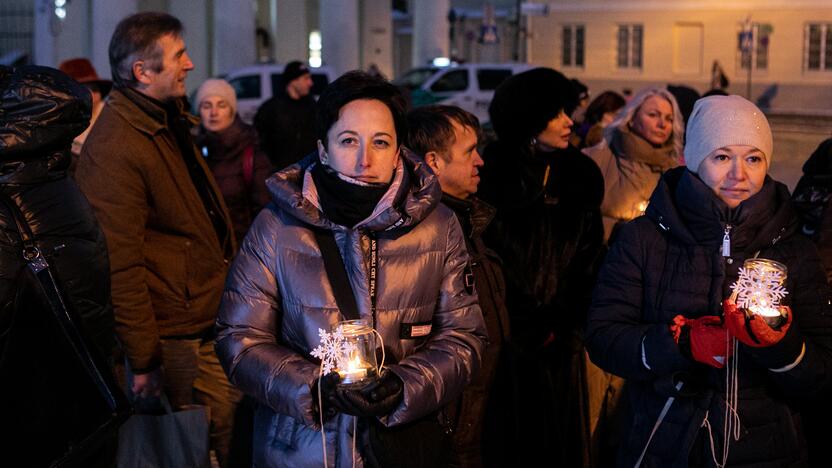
361, 186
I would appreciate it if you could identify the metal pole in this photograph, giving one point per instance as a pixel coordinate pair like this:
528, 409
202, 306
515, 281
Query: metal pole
517, 31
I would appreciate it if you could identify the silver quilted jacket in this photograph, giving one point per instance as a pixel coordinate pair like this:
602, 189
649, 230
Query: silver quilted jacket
278, 295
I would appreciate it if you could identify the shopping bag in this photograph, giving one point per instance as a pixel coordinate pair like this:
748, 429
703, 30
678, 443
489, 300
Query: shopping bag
174, 439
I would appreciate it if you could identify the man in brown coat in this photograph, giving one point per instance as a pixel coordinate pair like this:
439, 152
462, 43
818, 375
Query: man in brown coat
167, 228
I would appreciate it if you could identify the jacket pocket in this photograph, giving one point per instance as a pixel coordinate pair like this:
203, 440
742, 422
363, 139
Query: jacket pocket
166, 266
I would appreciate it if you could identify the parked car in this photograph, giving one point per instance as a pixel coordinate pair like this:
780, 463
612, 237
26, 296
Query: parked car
257, 83
469, 86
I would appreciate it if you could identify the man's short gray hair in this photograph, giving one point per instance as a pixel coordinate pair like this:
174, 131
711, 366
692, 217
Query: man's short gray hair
135, 38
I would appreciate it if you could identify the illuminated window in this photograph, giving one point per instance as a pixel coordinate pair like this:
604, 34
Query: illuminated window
818, 47
630, 45
315, 49
572, 46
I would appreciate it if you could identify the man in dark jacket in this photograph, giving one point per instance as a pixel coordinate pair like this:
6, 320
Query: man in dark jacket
167, 227
286, 122
446, 137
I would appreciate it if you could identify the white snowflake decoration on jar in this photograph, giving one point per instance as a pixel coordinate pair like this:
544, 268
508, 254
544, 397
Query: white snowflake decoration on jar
349, 350
334, 350
760, 287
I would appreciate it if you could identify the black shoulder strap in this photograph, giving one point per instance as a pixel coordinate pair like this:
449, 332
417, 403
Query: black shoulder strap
337, 273
49, 290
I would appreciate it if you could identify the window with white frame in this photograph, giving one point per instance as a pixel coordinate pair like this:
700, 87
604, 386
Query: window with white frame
630, 45
755, 52
572, 45
818, 47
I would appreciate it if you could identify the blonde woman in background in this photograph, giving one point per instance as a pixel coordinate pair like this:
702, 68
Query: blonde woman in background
644, 141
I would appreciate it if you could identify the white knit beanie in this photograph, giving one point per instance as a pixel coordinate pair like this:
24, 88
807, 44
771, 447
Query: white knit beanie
720, 121
221, 88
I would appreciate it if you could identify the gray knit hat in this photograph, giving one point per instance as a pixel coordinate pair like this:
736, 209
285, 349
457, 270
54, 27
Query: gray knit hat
221, 88
719, 121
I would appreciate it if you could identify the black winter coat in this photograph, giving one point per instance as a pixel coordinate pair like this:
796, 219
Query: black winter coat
48, 403
549, 233
670, 262
286, 128
478, 413
38, 120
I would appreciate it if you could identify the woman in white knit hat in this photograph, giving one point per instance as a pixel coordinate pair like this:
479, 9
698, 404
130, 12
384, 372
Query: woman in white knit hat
661, 316
230, 149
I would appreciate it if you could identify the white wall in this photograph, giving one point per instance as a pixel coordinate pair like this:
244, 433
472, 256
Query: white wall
340, 40
377, 35
291, 31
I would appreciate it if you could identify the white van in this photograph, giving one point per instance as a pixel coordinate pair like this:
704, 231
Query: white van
469, 86
257, 83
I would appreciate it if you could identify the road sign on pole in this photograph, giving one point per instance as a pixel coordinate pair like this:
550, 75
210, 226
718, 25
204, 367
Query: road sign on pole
747, 47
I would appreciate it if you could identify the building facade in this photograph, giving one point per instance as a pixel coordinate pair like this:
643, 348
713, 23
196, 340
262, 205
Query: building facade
786, 45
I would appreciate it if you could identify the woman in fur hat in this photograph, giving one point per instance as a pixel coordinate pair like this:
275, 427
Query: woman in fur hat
662, 316
548, 232
643, 141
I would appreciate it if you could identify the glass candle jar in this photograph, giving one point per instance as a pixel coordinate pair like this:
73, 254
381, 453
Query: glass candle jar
358, 365
760, 288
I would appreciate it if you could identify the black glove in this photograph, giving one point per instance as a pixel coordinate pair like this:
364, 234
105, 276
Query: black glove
386, 390
328, 385
378, 398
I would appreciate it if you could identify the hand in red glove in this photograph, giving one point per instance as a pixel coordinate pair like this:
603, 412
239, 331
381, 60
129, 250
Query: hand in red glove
754, 331
704, 339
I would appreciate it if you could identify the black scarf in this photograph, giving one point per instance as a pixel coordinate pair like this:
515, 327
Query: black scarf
342, 202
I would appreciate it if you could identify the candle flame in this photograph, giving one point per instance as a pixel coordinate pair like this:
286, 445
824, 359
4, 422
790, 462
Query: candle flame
354, 364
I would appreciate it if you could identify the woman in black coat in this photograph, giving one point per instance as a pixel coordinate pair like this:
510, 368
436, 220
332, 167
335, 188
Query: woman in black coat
548, 232
45, 406
657, 311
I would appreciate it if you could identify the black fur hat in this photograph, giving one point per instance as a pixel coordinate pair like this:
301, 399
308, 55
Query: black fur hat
524, 104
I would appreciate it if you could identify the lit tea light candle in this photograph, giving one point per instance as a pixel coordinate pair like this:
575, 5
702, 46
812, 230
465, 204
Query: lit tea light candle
759, 288
356, 370
764, 311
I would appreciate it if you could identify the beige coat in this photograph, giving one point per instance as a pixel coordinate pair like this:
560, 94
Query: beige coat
629, 179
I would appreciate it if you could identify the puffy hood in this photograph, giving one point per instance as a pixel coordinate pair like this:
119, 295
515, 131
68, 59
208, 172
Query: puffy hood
414, 193
41, 109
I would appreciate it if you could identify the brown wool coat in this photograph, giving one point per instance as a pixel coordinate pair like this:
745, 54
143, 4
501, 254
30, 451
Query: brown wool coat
167, 265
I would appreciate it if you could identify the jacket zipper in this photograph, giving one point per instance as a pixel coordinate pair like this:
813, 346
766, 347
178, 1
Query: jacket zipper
726, 241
